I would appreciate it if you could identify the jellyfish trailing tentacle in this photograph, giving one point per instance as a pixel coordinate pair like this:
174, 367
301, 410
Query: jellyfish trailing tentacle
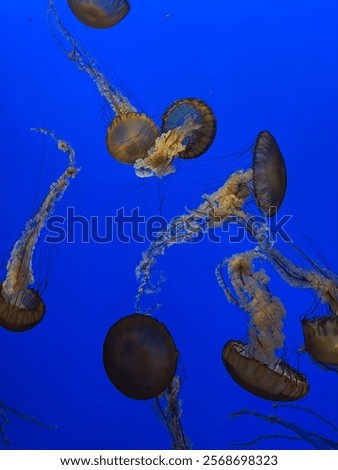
86, 63
255, 365
314, 439
21, 307
99, 14
5, 410
170, 409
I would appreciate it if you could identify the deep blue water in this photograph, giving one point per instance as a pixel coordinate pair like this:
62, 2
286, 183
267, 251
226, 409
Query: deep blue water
259, 65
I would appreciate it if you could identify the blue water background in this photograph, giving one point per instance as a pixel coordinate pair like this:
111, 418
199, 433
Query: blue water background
260, 65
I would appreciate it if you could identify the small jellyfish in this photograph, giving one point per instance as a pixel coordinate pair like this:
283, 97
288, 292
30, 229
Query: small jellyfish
255, 365
269, 174
188, 126
99, 14
140, 356
21, 307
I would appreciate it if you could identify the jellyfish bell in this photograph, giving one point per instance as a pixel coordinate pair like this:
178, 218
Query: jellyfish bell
140, 356
99, 14
321, 339
19, 315
197, 123
279, 382
130, 136
269, 174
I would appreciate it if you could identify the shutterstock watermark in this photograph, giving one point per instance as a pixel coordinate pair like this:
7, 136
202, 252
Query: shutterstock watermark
137, 228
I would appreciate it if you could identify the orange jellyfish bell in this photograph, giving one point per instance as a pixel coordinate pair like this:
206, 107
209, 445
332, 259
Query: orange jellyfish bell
140, 356
197, 122
24, 316
269, 174
99, 14
130, 136
321, 339
279, 382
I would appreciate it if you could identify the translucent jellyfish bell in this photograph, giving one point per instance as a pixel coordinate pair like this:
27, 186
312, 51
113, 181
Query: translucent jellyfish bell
197, 121
269, 174
21, 307
140, 356
255, 365
99, 14
130, 136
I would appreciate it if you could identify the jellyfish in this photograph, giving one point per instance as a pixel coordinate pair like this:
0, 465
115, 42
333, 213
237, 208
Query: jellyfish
5, 410
188, 125
140, 359
254, 365
140, 356
21, 307
99, 14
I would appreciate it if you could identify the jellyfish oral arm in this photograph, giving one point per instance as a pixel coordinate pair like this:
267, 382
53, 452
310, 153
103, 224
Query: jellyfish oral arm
253, 295
216, 209
19, 267
167, 146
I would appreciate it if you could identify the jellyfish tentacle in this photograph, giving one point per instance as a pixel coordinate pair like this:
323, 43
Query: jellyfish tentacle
264, 437
316, 440
171, 412
86, 63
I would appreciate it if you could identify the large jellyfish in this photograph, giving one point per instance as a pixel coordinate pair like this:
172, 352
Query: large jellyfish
188, 125
255, 365
21, 307
99, 14
140, 359
140, 356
